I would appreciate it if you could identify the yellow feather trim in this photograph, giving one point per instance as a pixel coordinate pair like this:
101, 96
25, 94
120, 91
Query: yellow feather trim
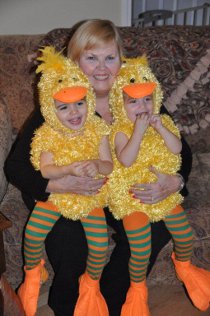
50, 60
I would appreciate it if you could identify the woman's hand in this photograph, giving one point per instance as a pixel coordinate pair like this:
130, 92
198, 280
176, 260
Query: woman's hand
77, 185
155, 192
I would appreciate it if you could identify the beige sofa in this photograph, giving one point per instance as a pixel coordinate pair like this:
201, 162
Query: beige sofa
180, 58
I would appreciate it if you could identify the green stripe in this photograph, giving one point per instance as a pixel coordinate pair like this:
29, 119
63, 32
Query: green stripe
92, 234
139, 271
95, 268
35, 234
42, 226
31, 241
183, 235
137, 265
31, 246
43, 218
138, 279
176, 215
33, 252
97, 244
181, 221
97, 218
141, 253
97, 258
135, 231
184, 249
96, 251
93, 274
93, 225
187, 256
45, 211
32, 259
178, 228
147, 243
95, 262
144, 236
139, 259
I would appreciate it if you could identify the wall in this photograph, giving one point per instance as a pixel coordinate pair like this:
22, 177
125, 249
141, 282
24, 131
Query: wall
40, 16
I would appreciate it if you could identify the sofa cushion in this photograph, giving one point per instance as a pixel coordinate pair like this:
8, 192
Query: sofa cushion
5, 143
189, 102
199, 184
16, 72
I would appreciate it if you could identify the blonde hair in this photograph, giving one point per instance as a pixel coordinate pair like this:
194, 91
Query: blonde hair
92, 33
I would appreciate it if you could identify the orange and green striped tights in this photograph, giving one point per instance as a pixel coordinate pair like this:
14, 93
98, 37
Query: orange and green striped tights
138, 231
42, 220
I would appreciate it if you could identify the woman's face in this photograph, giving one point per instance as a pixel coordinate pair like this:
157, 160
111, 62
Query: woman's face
101, 65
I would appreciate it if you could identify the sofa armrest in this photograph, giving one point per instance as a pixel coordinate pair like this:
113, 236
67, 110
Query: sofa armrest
5, 143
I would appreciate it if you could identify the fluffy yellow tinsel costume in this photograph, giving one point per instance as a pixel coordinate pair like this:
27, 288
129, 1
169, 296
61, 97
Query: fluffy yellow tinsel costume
153, 151
66, 145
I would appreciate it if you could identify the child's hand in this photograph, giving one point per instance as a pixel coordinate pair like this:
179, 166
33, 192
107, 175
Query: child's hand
155, 121
86, 168
142, 122
77, 169
90, 168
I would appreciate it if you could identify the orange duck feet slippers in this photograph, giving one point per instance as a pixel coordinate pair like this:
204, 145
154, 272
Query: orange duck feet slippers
196, 281
90, 302
29, 289
136, 301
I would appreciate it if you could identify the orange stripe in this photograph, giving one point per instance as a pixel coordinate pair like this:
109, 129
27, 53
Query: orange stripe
43, 214
178, 209
135, 220
48, 205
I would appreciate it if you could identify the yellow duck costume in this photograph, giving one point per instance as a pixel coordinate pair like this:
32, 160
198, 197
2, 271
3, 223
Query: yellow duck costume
63, 80
153, 150
134, 74
67, 146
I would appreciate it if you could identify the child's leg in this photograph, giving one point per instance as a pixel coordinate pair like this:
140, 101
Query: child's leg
95, 228
196, 280
138, 231
40, 223
181, 231
91, 301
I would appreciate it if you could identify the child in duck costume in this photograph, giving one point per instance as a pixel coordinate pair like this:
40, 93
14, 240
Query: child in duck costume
72, 140
142, 138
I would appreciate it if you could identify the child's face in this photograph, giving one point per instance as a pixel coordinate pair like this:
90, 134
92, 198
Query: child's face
72, 115
133, 106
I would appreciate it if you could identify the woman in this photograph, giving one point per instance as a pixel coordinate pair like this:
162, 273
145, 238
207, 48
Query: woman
96, 46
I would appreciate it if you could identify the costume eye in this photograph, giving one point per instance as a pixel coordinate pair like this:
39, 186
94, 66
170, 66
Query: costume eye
145, 78
132, 80
60, 80
75, 79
